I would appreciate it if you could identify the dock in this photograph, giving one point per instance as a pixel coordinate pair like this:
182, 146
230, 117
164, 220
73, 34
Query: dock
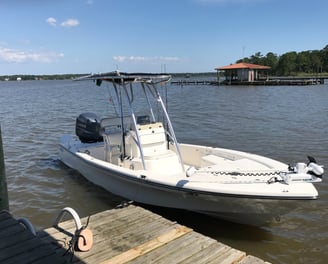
19, 245
194, 82
273, 81
125, 235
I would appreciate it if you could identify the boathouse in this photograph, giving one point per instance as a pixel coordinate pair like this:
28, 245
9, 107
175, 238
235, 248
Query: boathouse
243, 72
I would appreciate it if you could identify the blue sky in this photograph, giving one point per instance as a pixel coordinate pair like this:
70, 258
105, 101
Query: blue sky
83, 36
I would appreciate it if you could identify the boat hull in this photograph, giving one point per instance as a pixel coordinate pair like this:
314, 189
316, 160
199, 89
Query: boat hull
252, 210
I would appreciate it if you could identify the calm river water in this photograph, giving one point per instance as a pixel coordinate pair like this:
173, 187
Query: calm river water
283, 122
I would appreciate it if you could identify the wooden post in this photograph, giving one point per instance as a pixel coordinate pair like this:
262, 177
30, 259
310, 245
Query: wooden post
4, 204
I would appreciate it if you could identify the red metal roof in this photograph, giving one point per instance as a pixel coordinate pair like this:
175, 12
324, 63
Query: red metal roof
243, 65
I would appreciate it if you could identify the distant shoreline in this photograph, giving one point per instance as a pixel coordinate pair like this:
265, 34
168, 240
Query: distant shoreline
33, 77
30, 77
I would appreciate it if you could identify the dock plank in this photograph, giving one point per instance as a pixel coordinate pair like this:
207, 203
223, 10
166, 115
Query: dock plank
19, 245
229, 256
127, 238
142, 249
135, 235
207, 253
128, 235
252, 260
174, 252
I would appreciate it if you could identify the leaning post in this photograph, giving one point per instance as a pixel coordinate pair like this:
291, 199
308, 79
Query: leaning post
4, 204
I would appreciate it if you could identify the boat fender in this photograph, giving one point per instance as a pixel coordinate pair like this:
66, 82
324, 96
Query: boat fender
84, 239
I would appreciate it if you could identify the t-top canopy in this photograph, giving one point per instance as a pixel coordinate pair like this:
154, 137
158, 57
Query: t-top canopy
124, 77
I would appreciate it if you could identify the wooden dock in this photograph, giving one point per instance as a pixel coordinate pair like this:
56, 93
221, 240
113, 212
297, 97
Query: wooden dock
130, 235
274, 81
194, 82
19, 245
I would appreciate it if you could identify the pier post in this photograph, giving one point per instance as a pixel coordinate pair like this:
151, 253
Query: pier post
4, 204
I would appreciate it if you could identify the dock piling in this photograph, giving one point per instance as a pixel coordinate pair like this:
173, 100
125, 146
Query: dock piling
4, 204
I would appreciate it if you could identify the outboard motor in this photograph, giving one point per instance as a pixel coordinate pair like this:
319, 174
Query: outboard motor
87, 128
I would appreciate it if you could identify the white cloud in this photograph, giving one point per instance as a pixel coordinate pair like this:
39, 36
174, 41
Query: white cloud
156, 59
17, 56
51, 21
70, 23
89, 2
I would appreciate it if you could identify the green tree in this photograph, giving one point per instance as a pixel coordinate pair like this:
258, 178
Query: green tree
257, 58
290, 63
315, 61
324, 58
287, 64
271, 60
303, 62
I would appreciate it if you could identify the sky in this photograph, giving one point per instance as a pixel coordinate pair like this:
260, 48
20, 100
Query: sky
89, 36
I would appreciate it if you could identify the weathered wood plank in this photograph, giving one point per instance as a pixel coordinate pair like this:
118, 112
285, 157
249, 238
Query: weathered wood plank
135, 235
129, 235
148, 246
31, 253
114, 244
206, 254
229, 256
19, 245
252, 260
174, 252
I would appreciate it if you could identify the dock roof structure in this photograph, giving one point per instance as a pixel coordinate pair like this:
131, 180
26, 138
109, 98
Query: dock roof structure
243, 73
243, 65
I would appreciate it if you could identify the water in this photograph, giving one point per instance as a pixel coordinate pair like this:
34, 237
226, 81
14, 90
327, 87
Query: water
282, 122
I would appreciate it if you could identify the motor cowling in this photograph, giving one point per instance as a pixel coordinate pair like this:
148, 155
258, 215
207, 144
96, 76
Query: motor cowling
316, 169
87, 128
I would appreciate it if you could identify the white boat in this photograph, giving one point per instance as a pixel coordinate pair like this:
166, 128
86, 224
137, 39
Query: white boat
135, 154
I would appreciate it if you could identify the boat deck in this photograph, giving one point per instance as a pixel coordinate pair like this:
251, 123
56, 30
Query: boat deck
126, 235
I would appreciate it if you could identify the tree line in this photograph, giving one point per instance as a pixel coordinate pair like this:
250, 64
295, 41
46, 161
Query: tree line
39, 77
292, 63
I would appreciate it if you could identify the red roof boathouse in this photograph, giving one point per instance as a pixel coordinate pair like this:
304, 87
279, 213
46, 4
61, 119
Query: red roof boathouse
243, 72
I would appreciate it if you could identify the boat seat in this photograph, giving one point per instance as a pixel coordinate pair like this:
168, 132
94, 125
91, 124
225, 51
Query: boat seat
152, 139
112, 145
164, 162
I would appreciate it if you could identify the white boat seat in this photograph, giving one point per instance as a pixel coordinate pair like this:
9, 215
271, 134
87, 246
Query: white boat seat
163, 162
152, 139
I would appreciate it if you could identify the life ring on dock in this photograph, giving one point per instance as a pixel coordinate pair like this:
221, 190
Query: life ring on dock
83, 237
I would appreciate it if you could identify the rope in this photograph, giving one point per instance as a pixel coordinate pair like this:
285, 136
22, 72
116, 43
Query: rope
236, 173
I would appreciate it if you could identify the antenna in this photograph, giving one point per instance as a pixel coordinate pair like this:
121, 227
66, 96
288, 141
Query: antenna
244, 47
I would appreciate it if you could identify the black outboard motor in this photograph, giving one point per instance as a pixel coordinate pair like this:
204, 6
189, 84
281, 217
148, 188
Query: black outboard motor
87, 128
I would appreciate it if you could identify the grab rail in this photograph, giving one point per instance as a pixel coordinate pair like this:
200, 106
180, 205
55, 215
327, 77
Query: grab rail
27, 224
73, 213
